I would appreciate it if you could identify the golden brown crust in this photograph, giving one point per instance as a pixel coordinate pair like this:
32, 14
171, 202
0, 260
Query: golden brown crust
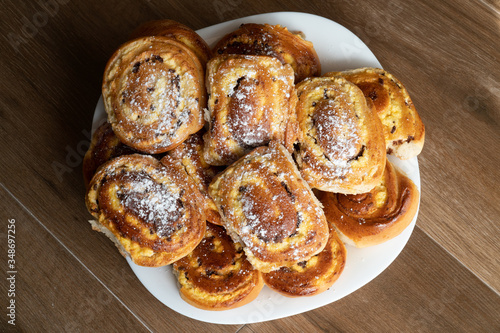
104, 146
375, 217
154, 209
178, 32
404, 131
252, 101
216, 275
313, 276
267, 207
342, 147
276, 41
154, 93
190, 154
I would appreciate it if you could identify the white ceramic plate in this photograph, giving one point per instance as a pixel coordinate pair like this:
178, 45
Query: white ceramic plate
338, 49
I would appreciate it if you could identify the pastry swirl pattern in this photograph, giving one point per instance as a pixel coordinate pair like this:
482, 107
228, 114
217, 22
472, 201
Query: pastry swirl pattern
313, 276
342, 147
377, 216
275, 41
178, 32
252, 101
404, 131
153, 210
269, 209
154, 93
216, 274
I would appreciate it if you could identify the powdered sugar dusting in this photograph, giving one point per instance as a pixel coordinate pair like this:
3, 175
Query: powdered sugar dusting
242, 116
156, 99
155, 204
337, 134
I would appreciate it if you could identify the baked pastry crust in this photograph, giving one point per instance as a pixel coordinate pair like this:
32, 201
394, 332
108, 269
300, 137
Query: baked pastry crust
177, 31
252, 101
104, 146
342, 147
154, 93
151, 208
313, 276
276, 41
404, 131
267, 207
377, 216
216, 275
190, 155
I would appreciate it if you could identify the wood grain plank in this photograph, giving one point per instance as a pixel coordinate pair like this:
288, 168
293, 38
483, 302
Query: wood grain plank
51, 290
450, 69
445, 53
55, 122
424, 290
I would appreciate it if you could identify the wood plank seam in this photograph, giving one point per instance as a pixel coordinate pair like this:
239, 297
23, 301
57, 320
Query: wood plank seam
240, 328
490, 6
73, 255
461, 263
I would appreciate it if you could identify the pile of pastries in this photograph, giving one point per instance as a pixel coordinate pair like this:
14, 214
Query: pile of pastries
242, 165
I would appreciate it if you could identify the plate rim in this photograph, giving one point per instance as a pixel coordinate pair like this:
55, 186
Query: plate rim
231, 317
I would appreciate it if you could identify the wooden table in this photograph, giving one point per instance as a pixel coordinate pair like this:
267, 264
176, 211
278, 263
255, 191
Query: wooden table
69, 278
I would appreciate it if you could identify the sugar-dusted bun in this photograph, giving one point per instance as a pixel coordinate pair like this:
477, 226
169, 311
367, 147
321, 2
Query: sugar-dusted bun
313, 276
190, 155
178, 32
377, 216
252, 101
216, 275
154, 93
267, 207
276, 41
404, 131
342, 147
152, 208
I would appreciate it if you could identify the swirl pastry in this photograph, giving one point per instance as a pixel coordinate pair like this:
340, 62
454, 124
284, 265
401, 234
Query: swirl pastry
375, 217
267, 207
403, 129
313, 276
190, 154
217, 275
151, 209
104, 146
342, 148
154, 93
178, 32
276, 41
252, 101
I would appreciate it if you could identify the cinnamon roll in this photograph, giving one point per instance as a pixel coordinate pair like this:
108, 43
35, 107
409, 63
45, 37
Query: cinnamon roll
178, 32
276, 41
252, 101
104, 146
217, 275
377, 216
404, 131
267, 207
313, 276
190, 154
151, 209
342, 148
154, 93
